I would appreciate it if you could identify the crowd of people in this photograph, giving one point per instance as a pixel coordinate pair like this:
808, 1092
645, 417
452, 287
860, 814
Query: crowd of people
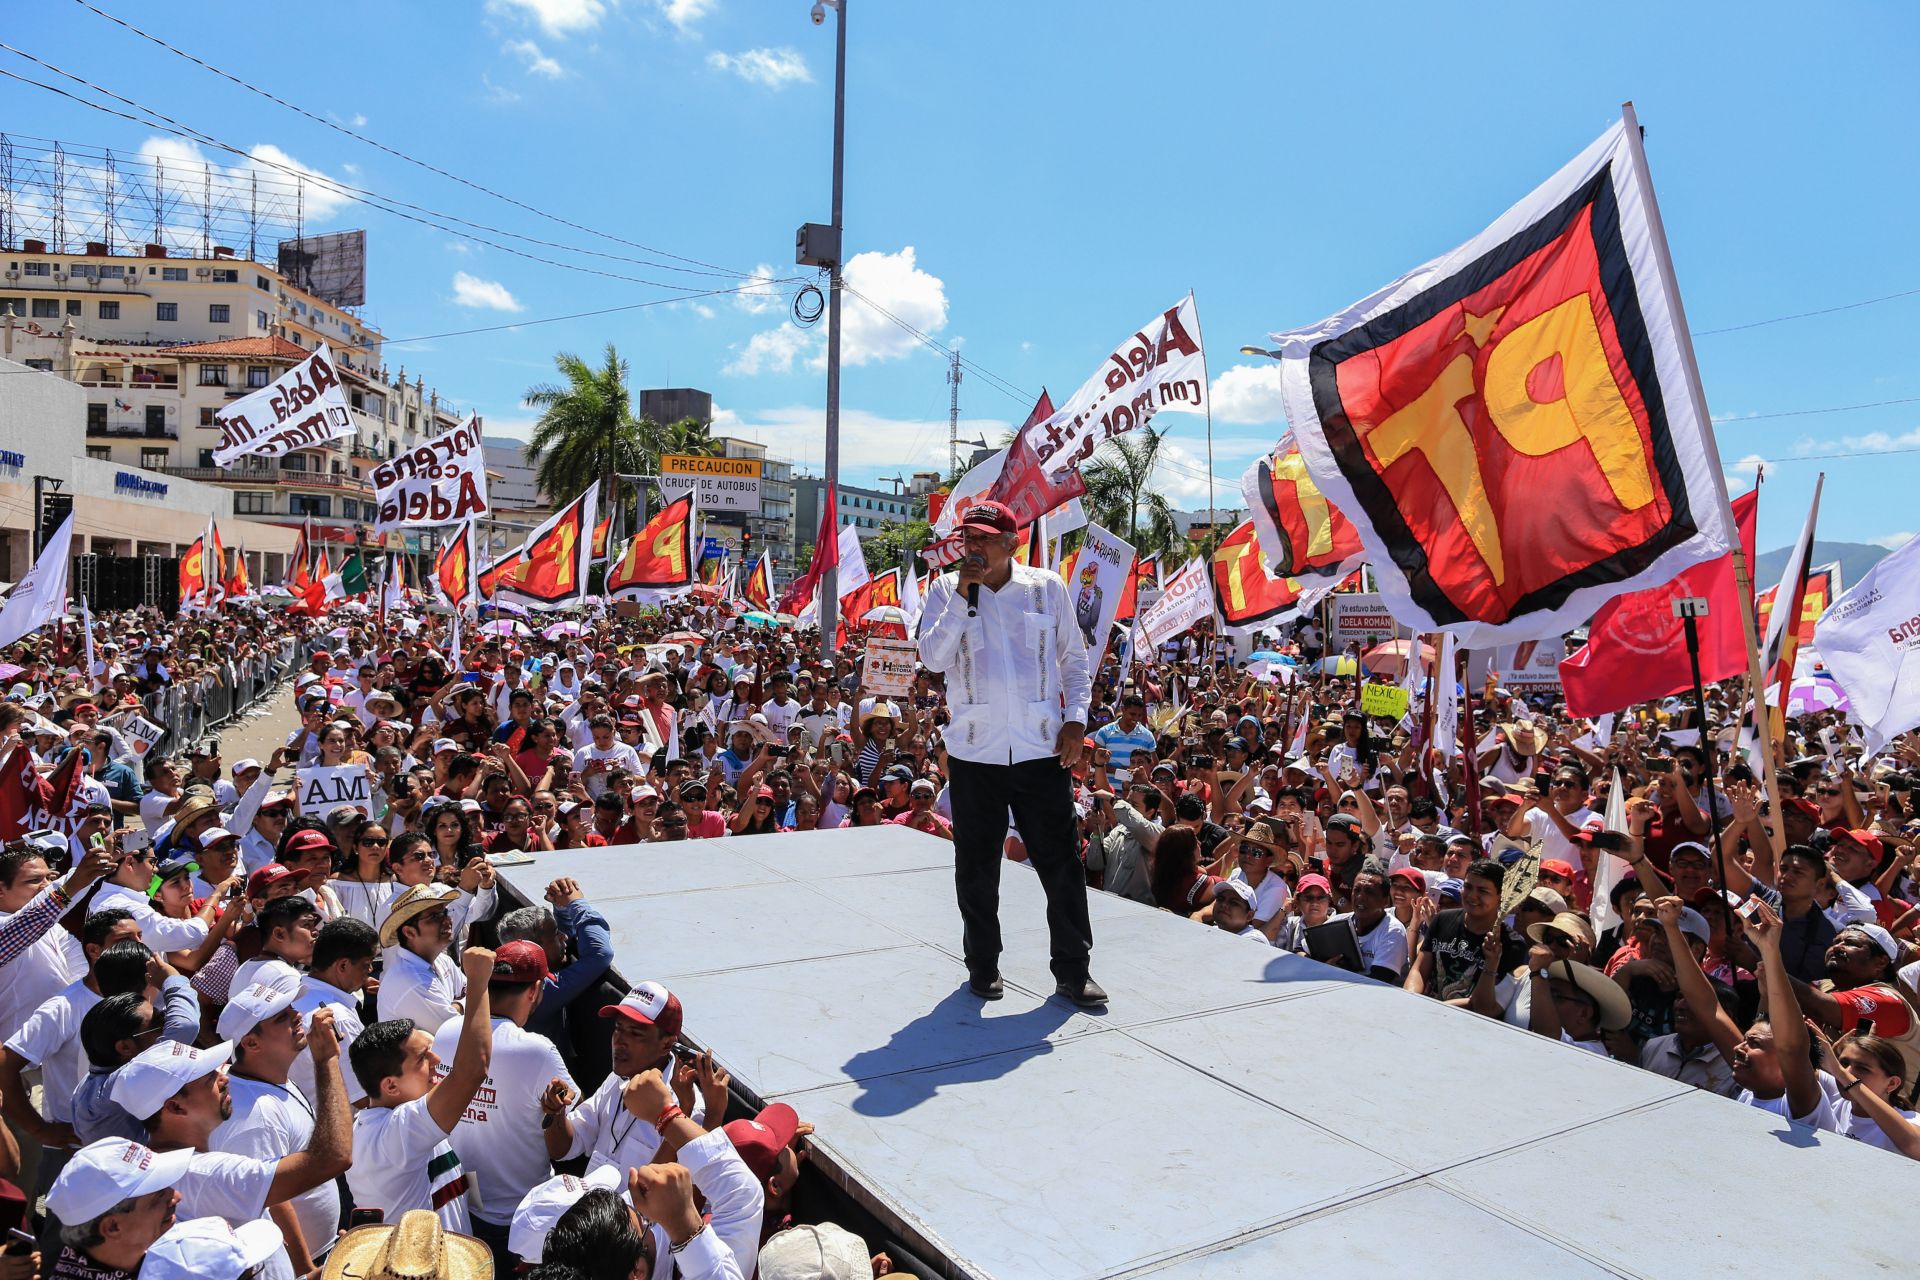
251, 1029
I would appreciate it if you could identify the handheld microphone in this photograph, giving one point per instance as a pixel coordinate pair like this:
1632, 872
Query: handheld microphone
977, 561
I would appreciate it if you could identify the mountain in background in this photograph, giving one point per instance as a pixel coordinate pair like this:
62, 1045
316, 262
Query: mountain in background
1855, 559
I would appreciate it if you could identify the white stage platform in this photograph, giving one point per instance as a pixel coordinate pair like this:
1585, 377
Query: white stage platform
1235, 1113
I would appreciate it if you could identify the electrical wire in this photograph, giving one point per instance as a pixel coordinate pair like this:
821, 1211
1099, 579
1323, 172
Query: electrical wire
388, 204
1803, 315
987, 375
397, 154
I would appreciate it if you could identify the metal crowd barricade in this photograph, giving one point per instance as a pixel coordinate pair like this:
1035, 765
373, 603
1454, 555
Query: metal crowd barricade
189, 711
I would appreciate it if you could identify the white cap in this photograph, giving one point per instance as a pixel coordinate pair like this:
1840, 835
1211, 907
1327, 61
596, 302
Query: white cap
1881, 938
823, 1252
444, 744
21, 690
1238, 888
1694, 925
547, 1203
245, 766
209, 1249
267, 996
645, 792
142, 1087
213, 835
102, 1174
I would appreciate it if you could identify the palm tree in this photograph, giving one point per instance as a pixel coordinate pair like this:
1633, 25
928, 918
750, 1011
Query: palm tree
586, 431
1121, 496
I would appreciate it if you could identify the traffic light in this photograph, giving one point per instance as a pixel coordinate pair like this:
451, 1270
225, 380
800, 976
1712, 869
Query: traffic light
746, 541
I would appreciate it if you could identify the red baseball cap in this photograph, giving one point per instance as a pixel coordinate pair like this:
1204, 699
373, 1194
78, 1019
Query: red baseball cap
522, 962
1554, 866
270, 875
307, 841
761, 1139
990, 517
1413, 876
1314, 882
1865, 839
650, 1005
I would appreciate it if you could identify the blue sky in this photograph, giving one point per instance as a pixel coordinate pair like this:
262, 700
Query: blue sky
1033, 181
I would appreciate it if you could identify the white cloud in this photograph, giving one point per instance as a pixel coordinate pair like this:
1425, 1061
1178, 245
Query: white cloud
1872, 442
460, 247
757, 295
685, 14
893, 281
498, 94
556, 17
1181, 474
1740, 474
538, 63
185, 162
489, 295
1248, 393
1892, 541
896, 283
771, 351
771, 68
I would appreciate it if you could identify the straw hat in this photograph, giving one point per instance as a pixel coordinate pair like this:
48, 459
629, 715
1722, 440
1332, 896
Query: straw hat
384, 705
415, 901
1525, 737
881, 709
1616, 1011
417, 1248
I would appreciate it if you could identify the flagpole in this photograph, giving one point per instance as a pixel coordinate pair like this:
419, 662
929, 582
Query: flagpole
1742, 578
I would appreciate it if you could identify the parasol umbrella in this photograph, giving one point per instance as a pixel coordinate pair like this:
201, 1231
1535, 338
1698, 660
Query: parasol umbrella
1343, 665
505, 609
1268, 655
8, 670
683, 638
503, 627
1810, 694
560, 630
885, 613
755, 618
1391, 658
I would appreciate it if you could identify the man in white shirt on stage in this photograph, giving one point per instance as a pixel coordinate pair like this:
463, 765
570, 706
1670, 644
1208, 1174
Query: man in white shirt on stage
1017, 683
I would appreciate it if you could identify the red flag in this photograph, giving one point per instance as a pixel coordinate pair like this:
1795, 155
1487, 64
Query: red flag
193, 570
1244, 592
826, 549
659, 558
29, 801
758, 591
1302, 534
1822, 590
1144, 571
552, 570
237, 583
1636, 649
453, 566
600, 532
1023, 484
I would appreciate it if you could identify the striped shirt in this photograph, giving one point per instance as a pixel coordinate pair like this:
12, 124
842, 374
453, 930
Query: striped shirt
1122, 745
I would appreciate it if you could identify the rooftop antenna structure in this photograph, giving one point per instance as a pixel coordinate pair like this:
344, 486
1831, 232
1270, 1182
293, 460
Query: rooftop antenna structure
953, 412
895, 481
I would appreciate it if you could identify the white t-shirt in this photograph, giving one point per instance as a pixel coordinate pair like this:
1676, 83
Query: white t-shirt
1823, 1116
1385, 947
161, 933
411, 988
39, 973
366, 900
499, 1133
1552, 843
403, 1161
270, 1121
1864, 1128
1269, 896
617, 756
153, 810
233, 1187
604, 1128
347, 1025
780, 716
50, 1039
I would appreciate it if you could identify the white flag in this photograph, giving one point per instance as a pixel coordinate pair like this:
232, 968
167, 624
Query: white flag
86, 623
41, 596
1870, 639
853, 563
301, 408
1446, 711
1186, 599
1610, 869
910, 600
1161, 366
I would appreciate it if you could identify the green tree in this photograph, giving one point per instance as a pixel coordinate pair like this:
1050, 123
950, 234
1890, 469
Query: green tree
587, 430
888, 546
1120, 493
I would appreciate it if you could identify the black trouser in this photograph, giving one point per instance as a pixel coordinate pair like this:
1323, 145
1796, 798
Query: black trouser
1041, 796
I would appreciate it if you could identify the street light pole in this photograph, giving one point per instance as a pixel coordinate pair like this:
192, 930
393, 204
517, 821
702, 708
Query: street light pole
830, 580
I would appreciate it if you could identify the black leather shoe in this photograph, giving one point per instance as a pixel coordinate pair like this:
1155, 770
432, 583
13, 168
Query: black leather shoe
989, 988
1086, 993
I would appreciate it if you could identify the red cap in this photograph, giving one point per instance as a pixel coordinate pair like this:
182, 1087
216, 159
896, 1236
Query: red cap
990, 517
523, 962
1865, 839
650, 1005
1557, 867
761, 1139
1315, 882
1413, 876
764, 793
308, 841
321, 654
1804, 805
85, 706
270, 875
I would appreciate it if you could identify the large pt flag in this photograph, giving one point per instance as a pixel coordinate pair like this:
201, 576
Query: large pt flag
1513, 427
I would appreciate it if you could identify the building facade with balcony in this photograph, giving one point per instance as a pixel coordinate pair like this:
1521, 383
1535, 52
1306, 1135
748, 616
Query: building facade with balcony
862, 508
159, 344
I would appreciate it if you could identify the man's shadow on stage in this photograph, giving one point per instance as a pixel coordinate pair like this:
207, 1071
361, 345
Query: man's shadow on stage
945, 1046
